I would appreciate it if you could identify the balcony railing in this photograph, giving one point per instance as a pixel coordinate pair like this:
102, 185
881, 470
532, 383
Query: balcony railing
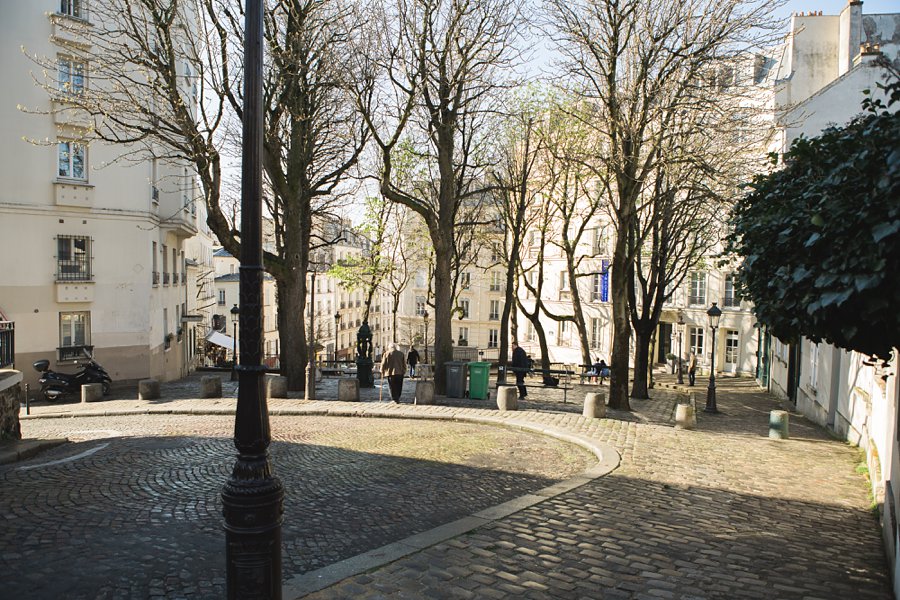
7, 344
165, 278
697, 300
155, 277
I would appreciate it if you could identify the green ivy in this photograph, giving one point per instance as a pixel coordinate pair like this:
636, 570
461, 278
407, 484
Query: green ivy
820, 237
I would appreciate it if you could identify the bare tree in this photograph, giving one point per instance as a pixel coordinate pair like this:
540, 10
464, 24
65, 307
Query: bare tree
636, 64
432, 86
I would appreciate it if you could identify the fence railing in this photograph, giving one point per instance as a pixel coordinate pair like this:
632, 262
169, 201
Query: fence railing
7, 344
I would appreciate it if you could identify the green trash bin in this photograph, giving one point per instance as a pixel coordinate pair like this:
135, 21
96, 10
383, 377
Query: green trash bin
479, 374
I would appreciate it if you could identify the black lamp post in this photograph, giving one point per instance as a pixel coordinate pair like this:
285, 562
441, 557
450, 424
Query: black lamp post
311, 362
253, 497
714, 314
337, 324
235, 317
425, 335
680, 349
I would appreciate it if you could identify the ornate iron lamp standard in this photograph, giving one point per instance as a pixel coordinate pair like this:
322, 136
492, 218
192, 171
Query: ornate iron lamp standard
680, 348
425, 335
252, 498
714, 313
235, 316
337, 324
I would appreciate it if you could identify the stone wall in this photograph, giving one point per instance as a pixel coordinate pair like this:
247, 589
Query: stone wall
10, 394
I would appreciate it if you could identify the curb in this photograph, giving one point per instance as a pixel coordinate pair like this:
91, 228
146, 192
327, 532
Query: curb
25, 449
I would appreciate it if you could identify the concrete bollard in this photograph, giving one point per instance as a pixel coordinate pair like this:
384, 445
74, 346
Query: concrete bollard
148, 389
348, 389
594, 405
507, 398
91, 392
424, 393
685, 417
276, 386
210, 386
779, 421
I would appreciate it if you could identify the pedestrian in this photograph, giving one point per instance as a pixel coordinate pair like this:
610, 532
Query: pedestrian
412, 359
692, 368
520, 367
393, 366
602, 369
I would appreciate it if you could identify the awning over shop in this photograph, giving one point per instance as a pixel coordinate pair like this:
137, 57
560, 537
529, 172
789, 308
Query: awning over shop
220, 339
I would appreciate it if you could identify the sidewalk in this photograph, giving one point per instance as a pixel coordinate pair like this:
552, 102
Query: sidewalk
719, 512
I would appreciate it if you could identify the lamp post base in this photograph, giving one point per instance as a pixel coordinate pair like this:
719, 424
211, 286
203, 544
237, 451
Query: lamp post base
711, 398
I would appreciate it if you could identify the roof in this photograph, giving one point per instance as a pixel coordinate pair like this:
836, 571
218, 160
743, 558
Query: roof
222, 252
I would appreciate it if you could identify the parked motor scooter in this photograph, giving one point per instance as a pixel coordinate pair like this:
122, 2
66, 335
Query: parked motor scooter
56, 385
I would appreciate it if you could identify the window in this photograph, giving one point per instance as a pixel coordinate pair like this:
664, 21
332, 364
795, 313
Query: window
463, 336
697, 341
494, 314
464, 308
73, 258
73, 8
595, 332
698, 288
493, 336
496, 284
71, 75
74, 334
598, 242
529, 331
465, 280
174, 266
221, 297
72, 160
420, 306
731, 300
595, 287
155, 266
563, 281
165, 255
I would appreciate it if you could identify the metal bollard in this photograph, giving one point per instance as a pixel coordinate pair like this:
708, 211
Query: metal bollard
27, 405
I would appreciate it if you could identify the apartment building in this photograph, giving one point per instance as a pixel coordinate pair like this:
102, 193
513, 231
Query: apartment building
95, 252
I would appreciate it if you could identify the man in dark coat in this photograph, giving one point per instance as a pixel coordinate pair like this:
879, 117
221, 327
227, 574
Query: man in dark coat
412, 359
520, 367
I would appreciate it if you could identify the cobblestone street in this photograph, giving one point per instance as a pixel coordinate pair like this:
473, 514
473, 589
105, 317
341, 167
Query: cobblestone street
131, 510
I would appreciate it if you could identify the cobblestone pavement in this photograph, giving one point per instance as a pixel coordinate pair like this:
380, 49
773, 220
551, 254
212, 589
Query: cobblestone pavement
719, 512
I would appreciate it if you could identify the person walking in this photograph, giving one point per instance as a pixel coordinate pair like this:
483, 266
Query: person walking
393, 366
692, 368
520, 367
412, 359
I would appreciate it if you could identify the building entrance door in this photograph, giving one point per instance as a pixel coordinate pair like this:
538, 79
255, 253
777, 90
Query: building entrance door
731, 351
664, 342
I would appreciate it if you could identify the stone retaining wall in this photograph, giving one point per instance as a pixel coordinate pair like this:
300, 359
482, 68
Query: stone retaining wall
10, 395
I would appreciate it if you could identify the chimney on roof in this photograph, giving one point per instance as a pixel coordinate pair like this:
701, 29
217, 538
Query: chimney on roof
849, 35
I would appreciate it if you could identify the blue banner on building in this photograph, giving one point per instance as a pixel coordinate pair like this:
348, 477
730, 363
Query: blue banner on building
604, 281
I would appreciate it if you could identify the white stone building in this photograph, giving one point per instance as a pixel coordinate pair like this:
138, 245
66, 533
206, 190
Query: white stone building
93, 252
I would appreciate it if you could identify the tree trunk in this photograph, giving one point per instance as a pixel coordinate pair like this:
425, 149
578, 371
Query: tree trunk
641, 364
618, 380
443, 348
292, 331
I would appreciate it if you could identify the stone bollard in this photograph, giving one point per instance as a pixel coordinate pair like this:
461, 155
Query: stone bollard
594, 405
91, 392
348, 389
507, 398
685, 417
210, 386
778, 424
424, 393
148, 389
276, 386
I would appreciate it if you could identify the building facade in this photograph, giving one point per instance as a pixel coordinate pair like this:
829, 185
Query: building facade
94, 251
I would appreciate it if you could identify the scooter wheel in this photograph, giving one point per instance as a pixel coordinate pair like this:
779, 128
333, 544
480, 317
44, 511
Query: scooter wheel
106, 388
52, 395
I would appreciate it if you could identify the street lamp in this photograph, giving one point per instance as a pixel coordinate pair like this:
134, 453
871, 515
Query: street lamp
252, 497
680, 349
311, 362
235, 317
714, 313
425, 335
337, 323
